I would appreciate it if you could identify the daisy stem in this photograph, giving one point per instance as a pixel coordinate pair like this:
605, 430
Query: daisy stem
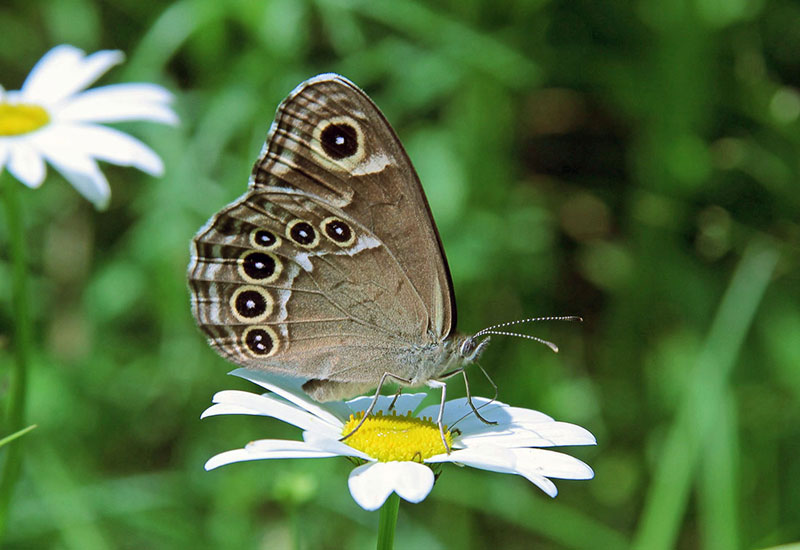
15, 406
388, 522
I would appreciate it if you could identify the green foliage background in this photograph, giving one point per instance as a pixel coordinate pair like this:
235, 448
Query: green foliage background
635, 163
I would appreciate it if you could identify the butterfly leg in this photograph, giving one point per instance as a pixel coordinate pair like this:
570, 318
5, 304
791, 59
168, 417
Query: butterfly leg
396, 395
440, 384
469, 398
375, 400
463, 372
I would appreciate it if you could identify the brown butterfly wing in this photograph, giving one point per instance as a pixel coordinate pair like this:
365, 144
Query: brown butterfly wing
330, 268
368, 175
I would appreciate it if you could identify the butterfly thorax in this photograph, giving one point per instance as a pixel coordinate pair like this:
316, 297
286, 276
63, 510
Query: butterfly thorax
439, 359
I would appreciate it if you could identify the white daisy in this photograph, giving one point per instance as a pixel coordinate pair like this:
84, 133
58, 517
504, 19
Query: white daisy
51, 119
397, 449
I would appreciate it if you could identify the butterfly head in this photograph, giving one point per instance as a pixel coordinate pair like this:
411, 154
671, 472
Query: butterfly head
471, 347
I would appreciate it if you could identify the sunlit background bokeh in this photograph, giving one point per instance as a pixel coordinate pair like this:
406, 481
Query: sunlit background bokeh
635, 163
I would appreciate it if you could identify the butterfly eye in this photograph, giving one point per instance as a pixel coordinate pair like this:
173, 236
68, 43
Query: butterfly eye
338, 231
467, 346
261, 238
339, 142
260, 341
259, 267
302, 233
251, 304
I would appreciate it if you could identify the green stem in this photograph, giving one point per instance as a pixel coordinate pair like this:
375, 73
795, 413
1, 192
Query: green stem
15, 411
9, 438
388, 522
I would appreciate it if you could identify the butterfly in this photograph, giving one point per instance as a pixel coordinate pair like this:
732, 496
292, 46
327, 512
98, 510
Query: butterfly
330, 267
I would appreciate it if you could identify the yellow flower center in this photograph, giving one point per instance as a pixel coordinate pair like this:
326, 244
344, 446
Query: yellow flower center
400, 438
21, 119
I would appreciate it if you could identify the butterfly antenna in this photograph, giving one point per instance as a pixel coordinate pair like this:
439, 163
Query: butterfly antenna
547, 343
529, 320
493, 329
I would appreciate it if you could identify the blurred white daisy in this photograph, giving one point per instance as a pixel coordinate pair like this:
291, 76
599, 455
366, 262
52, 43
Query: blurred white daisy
52, 119
397, 449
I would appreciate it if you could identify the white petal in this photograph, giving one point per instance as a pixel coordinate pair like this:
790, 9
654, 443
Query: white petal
241, 402
330, 442
269, 380
129, 92
497, 459
501, 412
64, 70
83, 173
118, 112
561, 433
551, 464
371, 484
405, 403
453, 410
282, 449
26, 163
90, 69
486, 457
542, 483
223, 409
541, 434
254, 403
410, 401
228, 457
49, 71
413, 481
111, 146
532, 461
267, 446
290, 389
120, 102
369, 490
458, 413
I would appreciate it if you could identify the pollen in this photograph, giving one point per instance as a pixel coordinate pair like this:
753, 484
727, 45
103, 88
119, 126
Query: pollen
392, 437
21, 119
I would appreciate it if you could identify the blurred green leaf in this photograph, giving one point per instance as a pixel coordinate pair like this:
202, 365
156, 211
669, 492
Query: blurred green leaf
614, 160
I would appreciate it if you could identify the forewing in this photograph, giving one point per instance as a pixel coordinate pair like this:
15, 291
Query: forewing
331, 141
